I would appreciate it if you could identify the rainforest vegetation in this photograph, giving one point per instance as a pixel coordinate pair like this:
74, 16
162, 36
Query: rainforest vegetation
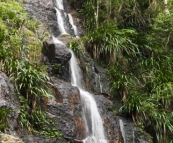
20, 51
133, 39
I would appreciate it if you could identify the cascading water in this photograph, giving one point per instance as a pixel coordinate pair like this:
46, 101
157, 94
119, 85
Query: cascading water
73, 26
59, 4
60, 21
93, 121
122, 130
55, 40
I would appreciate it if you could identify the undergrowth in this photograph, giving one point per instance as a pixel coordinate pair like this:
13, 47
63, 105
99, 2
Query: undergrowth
20, 51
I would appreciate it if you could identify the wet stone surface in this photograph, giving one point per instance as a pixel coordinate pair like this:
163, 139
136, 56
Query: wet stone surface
9, 99
57, 59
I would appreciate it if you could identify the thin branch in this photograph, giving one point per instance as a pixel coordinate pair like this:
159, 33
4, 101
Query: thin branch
168, 39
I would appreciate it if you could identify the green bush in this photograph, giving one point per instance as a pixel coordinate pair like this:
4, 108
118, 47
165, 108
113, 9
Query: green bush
77, 46
20, 50
31, 82
3, 118
110, 43
36, 121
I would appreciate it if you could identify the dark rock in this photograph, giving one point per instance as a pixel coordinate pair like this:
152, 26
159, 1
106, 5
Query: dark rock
36, 138
58, 56
62, 54
56, 53
9, 99
133, 134
65, 110
67, 114
44, 11
95, 76
142, 137
77, 20
110, 120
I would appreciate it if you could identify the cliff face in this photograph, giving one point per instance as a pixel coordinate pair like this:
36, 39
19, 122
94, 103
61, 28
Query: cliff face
65, 106
9, 99
43, 11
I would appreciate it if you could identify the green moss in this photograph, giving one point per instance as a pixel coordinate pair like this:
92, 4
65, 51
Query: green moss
19, 33
28, 33
12, 5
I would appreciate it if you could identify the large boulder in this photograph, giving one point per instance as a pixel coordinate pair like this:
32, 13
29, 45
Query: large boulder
58, 56
67, 111
9, 99
56, 52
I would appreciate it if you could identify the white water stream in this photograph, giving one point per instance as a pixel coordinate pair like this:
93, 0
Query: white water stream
60, 21
73, 26
93, 121
55, 40
122, 130
59, 4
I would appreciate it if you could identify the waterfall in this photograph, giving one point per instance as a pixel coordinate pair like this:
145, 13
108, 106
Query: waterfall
60, 21
59, 4
55, 40
73, 26
93, 121
59, 11
122, 130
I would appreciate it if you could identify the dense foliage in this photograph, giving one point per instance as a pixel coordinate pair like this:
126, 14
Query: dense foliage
134, 38
20, 51
3, 118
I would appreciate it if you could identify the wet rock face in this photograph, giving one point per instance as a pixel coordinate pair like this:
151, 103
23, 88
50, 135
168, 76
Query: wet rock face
58, 56
8, 99
62, 54
95, 76
65, 110
132, 133
68, 113
56, 53
27, 137
44, 11
110, 120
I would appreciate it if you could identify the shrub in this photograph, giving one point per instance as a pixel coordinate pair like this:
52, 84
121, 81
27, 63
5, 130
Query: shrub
3, 118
